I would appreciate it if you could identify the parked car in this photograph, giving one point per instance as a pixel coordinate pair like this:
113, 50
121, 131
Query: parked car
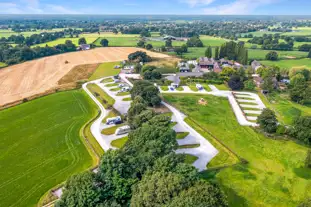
171, 88
125, 89
121, 85
114, 120
199, 87
123, 130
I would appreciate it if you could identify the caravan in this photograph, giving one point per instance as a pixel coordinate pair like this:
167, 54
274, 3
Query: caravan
123, 130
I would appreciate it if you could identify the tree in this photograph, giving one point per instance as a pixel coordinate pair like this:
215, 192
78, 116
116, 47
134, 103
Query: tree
139, 56
158, 189
104, 42
299, 90
194, 42
202, 194
145, 33
141, 43
235, 83
152, 75
267, 121
308, 159
268, 84
249, 85
81, 41
309, 54
80, 190
272, 56
184, 47
115, 31
168, 43
149, 46
301, 129
217, 53
147, 91
208, 52
179, 51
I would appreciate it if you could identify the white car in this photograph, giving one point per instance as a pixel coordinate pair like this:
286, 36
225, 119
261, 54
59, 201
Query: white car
199, 87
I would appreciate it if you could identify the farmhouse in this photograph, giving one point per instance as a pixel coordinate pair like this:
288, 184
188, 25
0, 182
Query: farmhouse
255, 65
206, 63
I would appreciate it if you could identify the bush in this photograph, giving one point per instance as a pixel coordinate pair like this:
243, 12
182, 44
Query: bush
267, 121
272, 56
281, 130
308, 160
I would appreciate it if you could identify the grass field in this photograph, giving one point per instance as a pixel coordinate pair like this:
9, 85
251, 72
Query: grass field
119, 142
6, 33
41, 145
212, 41
287, 64
2, 64
105, 70
275, 174
300, 31
75, 40
285, 109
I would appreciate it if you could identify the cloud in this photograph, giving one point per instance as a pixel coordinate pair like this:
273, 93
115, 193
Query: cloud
194, 3
31, 3
237, 7
58, 9
10, 8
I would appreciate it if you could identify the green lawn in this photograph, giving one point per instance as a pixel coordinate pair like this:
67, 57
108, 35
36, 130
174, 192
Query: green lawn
112, 84
188, 146
181, 135
119, 142
127, 99
101, 95
190, 159
287, 64
2, 64
115, 89
123, 93
41, 146
111, 130
105, 70
275, 175
222, 87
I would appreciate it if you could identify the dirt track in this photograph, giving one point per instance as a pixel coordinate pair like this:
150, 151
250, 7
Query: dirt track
37, 76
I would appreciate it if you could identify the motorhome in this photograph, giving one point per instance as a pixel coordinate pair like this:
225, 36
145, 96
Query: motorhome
123, 130
114, 120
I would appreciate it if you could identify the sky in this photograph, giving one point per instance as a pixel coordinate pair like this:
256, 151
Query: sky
179, 7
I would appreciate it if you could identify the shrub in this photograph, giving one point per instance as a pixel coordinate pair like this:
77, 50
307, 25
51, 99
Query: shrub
281, 130
267, 121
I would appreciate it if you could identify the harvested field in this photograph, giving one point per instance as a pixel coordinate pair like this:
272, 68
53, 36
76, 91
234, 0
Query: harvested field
37, 76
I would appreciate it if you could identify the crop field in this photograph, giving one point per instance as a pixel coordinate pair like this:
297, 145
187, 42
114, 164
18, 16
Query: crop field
41, 145
287, 64
37, 76
75, 40
275, 174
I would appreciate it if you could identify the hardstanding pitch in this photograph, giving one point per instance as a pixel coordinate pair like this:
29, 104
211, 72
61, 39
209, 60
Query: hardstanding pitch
38, 76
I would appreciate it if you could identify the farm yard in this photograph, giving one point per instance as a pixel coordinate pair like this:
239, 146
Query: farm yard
41, 145
38, 76
275, 167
